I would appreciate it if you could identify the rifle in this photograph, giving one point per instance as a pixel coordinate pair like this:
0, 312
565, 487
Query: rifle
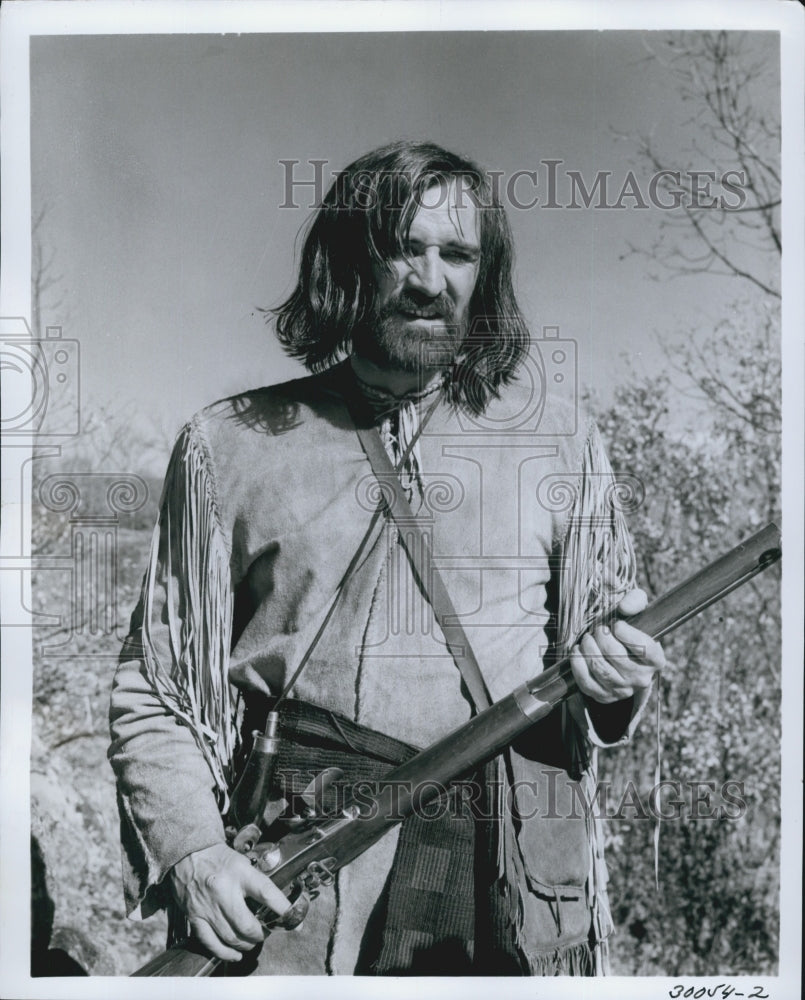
310, 855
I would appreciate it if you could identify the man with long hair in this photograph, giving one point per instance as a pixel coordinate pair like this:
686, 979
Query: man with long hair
274, 569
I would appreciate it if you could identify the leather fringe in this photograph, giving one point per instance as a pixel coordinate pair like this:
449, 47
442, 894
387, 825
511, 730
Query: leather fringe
189, 544
573, 960
597, 567
598, 564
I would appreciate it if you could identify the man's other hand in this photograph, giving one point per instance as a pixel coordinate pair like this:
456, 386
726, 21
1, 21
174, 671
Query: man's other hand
610, 664
212, 886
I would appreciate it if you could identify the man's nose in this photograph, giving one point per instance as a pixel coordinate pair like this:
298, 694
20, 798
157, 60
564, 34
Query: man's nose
427, 274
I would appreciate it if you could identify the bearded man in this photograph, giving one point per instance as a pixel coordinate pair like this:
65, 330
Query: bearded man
404, 312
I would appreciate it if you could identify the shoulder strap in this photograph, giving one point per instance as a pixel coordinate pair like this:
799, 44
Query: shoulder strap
353, 563
415, 543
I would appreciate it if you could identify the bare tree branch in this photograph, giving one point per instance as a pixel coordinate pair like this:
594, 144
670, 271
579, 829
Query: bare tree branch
723, 84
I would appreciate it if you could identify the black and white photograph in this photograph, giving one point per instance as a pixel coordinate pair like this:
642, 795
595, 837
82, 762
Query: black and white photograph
402, 448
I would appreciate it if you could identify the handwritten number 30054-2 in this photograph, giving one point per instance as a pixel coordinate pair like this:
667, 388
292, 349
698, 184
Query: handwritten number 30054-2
722, 990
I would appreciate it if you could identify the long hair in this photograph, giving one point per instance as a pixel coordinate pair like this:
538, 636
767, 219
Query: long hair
362, 222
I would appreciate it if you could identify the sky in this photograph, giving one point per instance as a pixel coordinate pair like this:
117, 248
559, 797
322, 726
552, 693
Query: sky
156, 161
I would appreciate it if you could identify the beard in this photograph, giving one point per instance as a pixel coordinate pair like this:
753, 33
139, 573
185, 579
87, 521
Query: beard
396, 337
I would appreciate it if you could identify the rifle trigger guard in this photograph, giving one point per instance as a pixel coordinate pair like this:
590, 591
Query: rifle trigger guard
291, 919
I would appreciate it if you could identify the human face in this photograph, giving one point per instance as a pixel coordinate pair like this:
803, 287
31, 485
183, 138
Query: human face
423, 295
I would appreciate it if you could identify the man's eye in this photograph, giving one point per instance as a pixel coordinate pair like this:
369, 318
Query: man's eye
451, 255
460, 256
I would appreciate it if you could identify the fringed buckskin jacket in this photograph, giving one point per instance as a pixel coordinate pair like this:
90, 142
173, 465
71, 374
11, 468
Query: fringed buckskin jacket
267, 497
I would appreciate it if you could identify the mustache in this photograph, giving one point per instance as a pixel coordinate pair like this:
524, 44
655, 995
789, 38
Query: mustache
440, 307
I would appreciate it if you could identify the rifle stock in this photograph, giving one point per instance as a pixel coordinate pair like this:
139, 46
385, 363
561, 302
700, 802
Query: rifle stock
338, 841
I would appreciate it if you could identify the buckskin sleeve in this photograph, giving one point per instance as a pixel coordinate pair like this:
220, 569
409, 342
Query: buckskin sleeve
598, 567
161, 752
165, 796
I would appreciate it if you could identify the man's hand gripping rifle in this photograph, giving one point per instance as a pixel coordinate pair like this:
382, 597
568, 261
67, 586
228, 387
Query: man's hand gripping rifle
314, 848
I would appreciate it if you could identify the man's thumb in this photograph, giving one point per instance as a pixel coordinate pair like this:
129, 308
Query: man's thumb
632, 602
260, 887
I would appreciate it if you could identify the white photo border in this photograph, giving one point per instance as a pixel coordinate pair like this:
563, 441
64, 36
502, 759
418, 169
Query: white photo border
19, 21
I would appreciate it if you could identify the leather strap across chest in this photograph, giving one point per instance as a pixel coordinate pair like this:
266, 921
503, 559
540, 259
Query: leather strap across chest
417, 548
